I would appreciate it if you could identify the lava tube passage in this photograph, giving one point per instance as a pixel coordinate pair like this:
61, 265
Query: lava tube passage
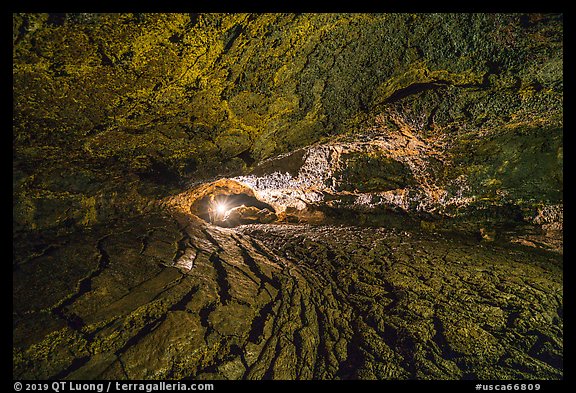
288, 196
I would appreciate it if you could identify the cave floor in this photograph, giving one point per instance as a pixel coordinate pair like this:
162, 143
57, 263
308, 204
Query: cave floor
158, 297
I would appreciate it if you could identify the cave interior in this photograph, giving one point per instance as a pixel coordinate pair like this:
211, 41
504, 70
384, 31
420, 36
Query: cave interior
317, 196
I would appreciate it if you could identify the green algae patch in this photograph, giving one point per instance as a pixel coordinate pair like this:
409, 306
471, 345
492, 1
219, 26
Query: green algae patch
48, 357
373, 173
522, 164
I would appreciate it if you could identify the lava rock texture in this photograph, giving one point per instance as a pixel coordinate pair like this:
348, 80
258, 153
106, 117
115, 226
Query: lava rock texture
161, 298
402, 176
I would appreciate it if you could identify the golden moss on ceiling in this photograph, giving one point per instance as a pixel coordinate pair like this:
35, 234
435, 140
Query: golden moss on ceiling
279, 80
190, 96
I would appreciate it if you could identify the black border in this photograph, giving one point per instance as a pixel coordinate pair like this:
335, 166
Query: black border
351, 6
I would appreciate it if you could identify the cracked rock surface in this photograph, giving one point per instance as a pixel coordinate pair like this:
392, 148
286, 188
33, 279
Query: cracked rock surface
401, 175
163, 297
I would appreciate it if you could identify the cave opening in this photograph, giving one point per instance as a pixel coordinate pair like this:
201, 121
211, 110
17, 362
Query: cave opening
233, 209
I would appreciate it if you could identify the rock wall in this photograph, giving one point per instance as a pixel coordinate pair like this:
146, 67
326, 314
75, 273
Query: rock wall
132, 105
387, 170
